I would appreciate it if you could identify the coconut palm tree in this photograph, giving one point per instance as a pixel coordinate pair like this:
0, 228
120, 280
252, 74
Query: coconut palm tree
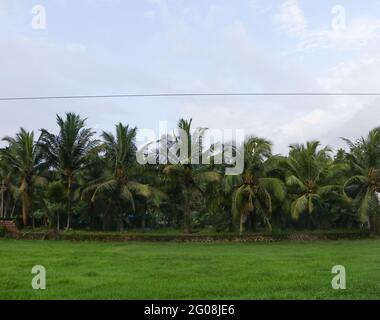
24, 157
310, 173
364, 184
68, 151
191, 177
253, 190
8, 191
120, 183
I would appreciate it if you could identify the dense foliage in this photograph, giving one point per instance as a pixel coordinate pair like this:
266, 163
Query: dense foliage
86, 183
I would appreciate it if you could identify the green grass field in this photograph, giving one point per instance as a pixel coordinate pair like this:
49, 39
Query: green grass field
104, 270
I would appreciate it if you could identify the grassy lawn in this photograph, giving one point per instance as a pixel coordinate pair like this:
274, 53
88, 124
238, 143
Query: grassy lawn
97, 270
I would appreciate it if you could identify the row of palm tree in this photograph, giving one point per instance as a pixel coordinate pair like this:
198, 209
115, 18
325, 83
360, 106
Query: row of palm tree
91, 181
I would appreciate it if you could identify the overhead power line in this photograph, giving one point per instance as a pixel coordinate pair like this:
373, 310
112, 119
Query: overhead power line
195, 94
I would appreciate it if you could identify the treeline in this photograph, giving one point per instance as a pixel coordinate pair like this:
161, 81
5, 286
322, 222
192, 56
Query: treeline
73, 180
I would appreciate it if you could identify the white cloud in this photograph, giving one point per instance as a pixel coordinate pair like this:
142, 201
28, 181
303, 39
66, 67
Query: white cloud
357, 32
33, 67
338, 116
149, 14
76, 47
202, 49
354, 75
316, 124
291, 18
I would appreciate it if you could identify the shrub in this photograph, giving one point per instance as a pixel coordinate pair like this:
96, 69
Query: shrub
3, 232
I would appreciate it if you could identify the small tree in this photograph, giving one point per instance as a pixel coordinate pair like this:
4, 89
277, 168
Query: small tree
25, 159
364, 184
254, 190
120, 182
190, 177
68, 151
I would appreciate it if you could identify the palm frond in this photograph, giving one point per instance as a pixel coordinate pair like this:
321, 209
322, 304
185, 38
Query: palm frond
299, 206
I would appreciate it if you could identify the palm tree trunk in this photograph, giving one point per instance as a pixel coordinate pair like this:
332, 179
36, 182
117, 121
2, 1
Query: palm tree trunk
68, 215
187, 214
24, 202
374, 223
370, 224
30, 197
105, 220
187, 221
6, 207
2, 199
69, 182
92, 215
231, 225
24, 213
143, 223
13, 208
121, 224
26, 206
241, 226
143, 218
253, 221
268, 224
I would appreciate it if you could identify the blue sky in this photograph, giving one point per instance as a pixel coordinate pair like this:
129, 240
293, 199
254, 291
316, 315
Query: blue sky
149, 46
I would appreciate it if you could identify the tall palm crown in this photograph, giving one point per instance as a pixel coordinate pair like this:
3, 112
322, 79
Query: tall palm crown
191, 177
121, 150
364, 185
68, 151
24, 157
8, 188
120, 183
254, 190
310, 171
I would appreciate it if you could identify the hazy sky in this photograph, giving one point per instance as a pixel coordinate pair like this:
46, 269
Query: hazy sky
151, 46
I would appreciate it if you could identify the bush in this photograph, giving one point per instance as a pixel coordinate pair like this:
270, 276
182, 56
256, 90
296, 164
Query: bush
3, 232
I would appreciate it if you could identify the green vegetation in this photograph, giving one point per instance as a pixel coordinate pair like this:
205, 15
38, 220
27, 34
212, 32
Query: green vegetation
99, 185
288, 270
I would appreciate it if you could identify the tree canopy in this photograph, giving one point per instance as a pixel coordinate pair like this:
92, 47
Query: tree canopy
99, 184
